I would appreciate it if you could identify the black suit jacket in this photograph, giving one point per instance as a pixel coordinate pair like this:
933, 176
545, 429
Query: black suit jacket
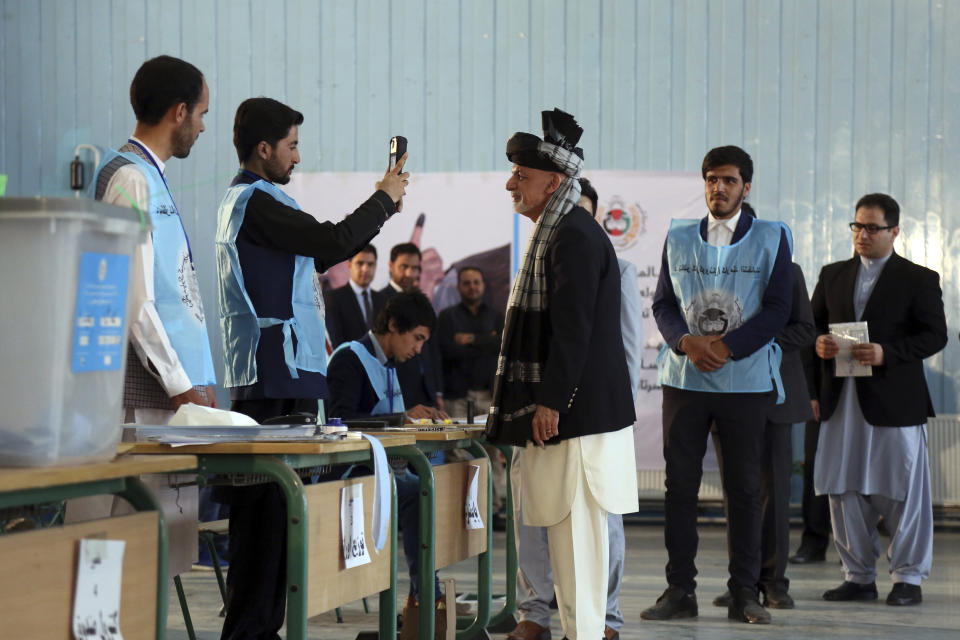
795, 339
905, 316
585, 377
344, 317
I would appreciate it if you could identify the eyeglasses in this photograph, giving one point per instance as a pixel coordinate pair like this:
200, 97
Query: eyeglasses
872, 229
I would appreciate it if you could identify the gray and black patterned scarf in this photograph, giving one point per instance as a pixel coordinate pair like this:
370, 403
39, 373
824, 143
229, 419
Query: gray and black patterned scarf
523, 352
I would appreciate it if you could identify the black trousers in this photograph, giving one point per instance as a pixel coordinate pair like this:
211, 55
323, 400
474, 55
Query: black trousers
740, 420
257, 579
775, 473
816, 509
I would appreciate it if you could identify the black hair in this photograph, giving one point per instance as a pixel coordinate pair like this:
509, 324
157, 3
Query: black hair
586, 189
161, 83
730, 154
471, 268
262, 119
889, 206
408, 310
369, 248
402, 249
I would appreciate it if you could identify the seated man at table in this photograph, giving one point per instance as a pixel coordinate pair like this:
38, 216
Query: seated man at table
362, 379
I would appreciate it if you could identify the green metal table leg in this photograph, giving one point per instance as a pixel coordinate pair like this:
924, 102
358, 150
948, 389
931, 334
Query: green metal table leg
208, 538
388, 598
297, 554
182, 597
428, 535
510, 605
484, 568
137, 494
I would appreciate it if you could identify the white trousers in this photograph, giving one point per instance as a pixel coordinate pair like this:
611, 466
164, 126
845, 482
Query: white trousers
579, 554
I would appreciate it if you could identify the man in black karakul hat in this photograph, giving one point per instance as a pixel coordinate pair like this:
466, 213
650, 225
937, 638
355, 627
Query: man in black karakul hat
562, 392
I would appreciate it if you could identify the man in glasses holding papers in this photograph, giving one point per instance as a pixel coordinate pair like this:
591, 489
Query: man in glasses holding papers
874, 403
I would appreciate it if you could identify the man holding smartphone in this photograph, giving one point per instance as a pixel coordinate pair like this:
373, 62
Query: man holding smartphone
272, 322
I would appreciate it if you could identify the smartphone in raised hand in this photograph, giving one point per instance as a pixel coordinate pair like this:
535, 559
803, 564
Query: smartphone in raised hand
398, 147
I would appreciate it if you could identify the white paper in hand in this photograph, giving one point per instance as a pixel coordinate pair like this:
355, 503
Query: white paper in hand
355, 552
847, 334
471, 508
96, 603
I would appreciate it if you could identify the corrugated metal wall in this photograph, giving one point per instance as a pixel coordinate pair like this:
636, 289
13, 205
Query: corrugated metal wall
833, 98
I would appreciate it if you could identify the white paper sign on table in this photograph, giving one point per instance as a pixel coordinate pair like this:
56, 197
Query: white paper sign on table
847, 334
471, 508
96, 604
355, 552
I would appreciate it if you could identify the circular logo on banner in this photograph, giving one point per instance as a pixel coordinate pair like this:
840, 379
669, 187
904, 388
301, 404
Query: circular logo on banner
714, 312
623, 223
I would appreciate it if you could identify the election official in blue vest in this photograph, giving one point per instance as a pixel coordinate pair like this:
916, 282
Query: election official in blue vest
724, 293
272, 323
169, 362
364, 382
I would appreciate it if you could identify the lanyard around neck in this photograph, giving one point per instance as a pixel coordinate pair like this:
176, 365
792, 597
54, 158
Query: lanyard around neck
149, 156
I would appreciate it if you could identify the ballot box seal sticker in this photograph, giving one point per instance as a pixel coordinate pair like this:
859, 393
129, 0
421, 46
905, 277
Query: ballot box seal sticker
101, 307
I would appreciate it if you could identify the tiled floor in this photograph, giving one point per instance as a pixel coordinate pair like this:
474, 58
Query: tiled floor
937, 617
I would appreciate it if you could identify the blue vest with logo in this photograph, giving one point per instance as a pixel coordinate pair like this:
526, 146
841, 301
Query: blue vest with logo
175, 288
271, 308
383, 379
718, 290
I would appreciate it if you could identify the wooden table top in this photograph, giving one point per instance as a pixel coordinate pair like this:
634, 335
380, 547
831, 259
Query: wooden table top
20, 478
453, 432
291, 447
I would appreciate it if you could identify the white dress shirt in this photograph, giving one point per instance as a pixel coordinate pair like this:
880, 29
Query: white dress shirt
147, 334
720, 232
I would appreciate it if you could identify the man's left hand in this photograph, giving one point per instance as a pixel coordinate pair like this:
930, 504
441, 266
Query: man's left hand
869, 353
463, 338
546, 423
212, 397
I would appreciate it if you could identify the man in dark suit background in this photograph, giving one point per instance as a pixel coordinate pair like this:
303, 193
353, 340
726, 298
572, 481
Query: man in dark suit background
815, 509
350, 308
724, 293
872, 454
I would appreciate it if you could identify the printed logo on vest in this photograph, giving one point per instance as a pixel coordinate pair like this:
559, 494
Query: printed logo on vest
714, 312
189, 287
623, 223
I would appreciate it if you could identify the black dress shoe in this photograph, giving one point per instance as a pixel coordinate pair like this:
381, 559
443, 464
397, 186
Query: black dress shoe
723, 600
674, 603
903, 594
746, 608
776, 599
807, 555
852, 591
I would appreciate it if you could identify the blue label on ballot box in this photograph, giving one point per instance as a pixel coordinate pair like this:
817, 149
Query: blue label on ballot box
101, 306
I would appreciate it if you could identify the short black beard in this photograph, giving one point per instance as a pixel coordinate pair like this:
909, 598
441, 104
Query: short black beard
732, 211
